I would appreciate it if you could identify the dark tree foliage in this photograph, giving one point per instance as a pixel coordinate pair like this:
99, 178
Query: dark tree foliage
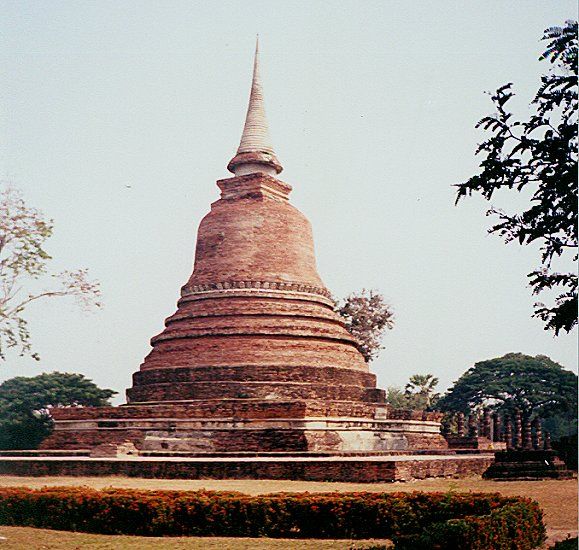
366, 316
567, 544
25, 405
534, 385
539, 156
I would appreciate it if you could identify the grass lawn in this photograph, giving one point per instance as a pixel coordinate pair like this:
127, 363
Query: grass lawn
557, 498
22, 538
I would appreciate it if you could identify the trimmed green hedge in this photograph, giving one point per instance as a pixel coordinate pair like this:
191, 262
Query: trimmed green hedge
411, 520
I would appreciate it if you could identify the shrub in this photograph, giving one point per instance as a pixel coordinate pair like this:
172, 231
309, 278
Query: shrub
411, 520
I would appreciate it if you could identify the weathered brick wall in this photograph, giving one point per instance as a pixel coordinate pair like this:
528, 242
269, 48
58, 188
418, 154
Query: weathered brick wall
408, 414
240, 350
242, 426
463, 467
253, 373
321, 470
280, 302
254, 238
88, 439
243, 409
216, 409
425, 441
251, 390
256, 382
214, 441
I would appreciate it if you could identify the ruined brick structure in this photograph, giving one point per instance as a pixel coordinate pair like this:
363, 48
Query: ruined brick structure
367, 469
255, 357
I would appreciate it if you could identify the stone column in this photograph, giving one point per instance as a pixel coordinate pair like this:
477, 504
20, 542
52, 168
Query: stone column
460, 431
497, 435
509, 433
472, 426
518, 436
487, 424
445, 425
527, 434
537, 436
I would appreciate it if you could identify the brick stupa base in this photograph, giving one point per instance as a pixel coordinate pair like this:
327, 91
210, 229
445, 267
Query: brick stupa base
248, 426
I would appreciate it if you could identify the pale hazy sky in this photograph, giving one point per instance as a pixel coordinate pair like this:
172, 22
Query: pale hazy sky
116, 118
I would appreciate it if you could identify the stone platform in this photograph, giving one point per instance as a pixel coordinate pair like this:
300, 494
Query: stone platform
526, 465
355, 469
244, 425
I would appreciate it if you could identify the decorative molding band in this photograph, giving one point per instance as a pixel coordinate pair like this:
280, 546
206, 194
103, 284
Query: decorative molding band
261, 285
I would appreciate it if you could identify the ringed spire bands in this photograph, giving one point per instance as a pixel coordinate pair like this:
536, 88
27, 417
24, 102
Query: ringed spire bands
255, 153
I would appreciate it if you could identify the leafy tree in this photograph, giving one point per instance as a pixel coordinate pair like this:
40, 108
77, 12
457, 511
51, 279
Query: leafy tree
23, 259
396, 397
534, 385
25, 405
418, 394
539, 156
422, 386
367, 316
561, 425
399, 399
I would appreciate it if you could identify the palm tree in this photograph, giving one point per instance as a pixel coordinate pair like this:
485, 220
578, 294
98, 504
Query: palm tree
422, 385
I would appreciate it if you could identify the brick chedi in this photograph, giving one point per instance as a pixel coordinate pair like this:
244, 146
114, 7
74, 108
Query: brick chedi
255, 359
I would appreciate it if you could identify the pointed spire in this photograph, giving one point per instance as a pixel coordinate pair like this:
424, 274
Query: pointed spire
255, 153
255, 132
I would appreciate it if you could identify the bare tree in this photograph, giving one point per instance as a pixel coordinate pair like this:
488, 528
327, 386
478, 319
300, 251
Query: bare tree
23, 232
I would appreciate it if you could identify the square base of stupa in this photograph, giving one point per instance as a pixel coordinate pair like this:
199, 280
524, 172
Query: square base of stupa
248, 426
248, 439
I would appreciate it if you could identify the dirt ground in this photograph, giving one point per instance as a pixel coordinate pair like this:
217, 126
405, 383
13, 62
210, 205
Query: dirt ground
557, 498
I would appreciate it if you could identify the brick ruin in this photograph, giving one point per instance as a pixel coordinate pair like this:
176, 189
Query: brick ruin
255, 359
522, 450
496, 431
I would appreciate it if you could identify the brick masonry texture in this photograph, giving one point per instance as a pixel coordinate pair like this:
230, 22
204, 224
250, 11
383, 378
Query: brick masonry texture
255, 357
344, 470
251, 390
225, 441
250, 236
253, 373
241, 408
